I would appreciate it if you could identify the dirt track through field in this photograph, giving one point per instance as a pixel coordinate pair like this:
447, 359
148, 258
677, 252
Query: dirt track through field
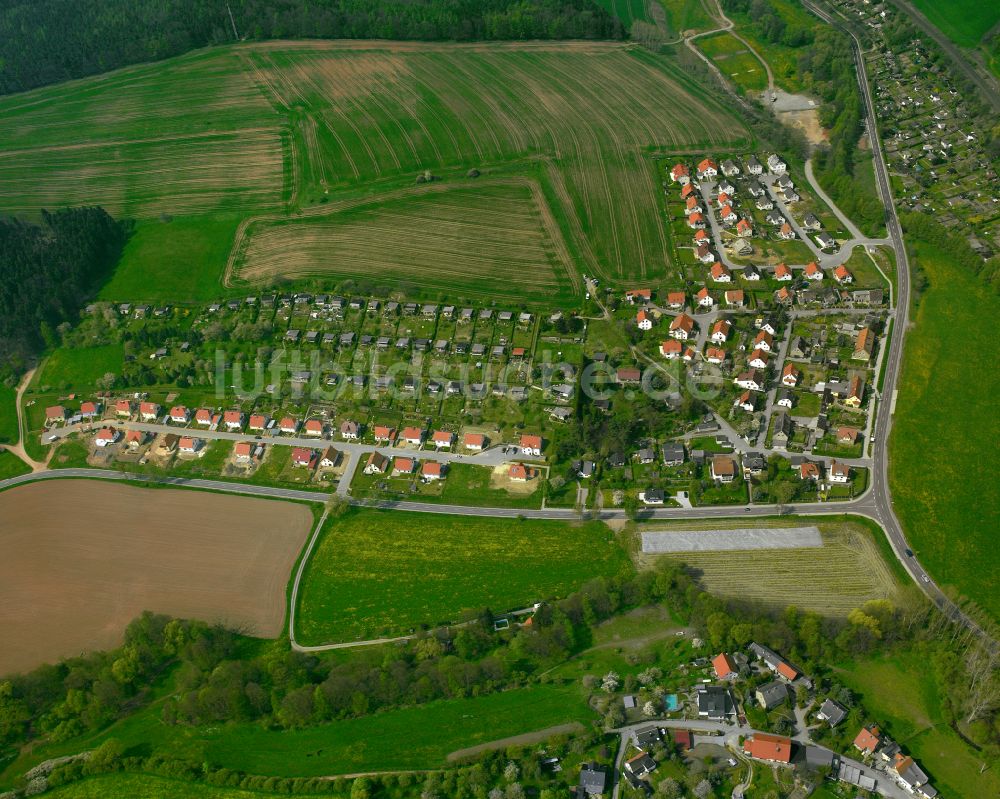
83, 558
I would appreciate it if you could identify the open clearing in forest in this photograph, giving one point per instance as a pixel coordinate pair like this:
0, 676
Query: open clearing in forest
82, 558
385, 572
492, 235
286, 130
845, 572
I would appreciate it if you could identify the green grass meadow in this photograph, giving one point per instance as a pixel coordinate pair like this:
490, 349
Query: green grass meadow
177, 261
149, 786
734, 60
963, 21
11, 465
68, 368
382, 572
628, 11
945, 430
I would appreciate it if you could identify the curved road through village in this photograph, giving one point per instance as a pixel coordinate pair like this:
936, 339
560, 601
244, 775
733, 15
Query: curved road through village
876, 503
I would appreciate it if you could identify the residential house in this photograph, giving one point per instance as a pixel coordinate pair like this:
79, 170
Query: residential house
640, 764
784, 296
638, 296
313, 427
810, 471
867, 740
258, 421
474, 441
727, 214
644, 320
233, 420
765, 203
243, 451
180, 415
628, 375
831, 712
433, 470
519, 473
747, 401
673, 453
442, 438
646, 455
751, 273
55, 413
813, 272
531, 445
715, 355
376, 464
744, 228
811, 222
679, 173
413, 435
289, 425
784, 398
754, 464
783, 273
847, 436
652, 496
592, 782
123, 408
696, 221
686, 191
707, 169
704, 254
730, 168
720, 274
774, 662
855, 392
782, 431
750, 379
790, 375
764, 341
771, 695
691, 205
676, 299
723, 469
303, 456
681, 327
758, 359
725, 667
714, 703
148, 411
775, 165
864, 345
798, 348
106, 436
771, 748
825, 241
704, 298
734, 298
403, 466
840, 473
786, 232
721, 330
203, 416
189, 444
350, 430
754, 167
910, 775
842, 275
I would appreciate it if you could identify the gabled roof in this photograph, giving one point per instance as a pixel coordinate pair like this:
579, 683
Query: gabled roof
769, 747
723, 665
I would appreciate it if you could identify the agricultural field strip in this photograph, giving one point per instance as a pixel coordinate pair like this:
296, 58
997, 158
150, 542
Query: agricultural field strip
745, 538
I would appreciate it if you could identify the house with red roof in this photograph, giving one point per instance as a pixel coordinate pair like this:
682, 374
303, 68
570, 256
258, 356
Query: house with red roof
233, 419
747, 401
696, 221
289, 425
432, 470
721, 330
55, 413
782, 272
642, 296
715, 355
679, 173
744, 228
443, 438
686, 190
839, 472
258, 421
304, 456
123, 407
813, 272
313, 427
531, 445
403, 466
727, 214
707, 169
809, 471
786, 232
867, 740
734, 298
790, 375
519, 473
847, 435
784, 296
148, 411
135, 438
704, 298
676, 299
413, 435
855, 392
243, 451
189, 444
704, 253
383, 433
203, 416
682, 327
720, 274
842, 275
644, 321
725, 667
758, 359
691, 204
180, 415
474, 441
772, 748
671, 349
701, 237
764, 341
106, 436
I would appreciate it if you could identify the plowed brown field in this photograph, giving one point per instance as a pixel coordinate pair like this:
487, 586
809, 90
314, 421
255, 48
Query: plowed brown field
82, 558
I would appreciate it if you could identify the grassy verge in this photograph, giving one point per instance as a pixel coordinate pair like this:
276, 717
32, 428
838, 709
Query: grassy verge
382, 572
11, 465
946, 497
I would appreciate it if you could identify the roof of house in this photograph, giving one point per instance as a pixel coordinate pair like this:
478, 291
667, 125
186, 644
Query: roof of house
769, 747
809, 470
532, 442
443, 437
314, 426
474, 439
781, 270
682, 322
723, 665
519, 471
833, 712
714, 701
715, 353
401, 464
773, 694
676, 297
736, 295
243, 448
232, 416
867, 739
412, 433
723, 465
432, 469
671, 346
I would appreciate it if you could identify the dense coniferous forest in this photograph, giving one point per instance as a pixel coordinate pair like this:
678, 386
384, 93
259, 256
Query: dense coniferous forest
46, 272
48, 41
